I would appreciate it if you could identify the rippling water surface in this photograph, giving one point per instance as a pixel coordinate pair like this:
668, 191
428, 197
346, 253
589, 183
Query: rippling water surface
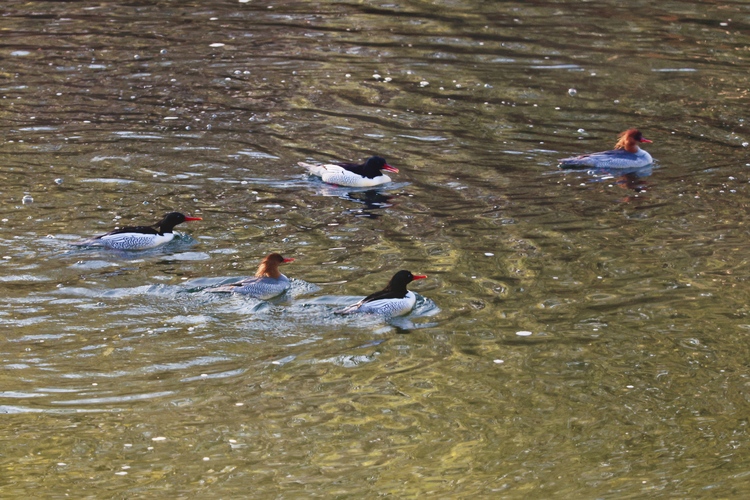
581, 334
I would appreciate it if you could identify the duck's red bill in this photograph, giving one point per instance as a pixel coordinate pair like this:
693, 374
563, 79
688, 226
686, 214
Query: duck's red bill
288, 259
390, 168
188, 219
420, 276
643, 139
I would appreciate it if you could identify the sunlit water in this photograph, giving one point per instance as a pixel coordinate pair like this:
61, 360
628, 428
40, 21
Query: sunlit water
580, 335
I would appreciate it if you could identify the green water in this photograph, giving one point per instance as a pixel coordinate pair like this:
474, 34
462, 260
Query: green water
579, 335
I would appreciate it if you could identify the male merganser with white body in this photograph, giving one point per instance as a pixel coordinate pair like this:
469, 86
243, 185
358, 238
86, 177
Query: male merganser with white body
393, 300
627, 154
268, 282
139, 237
367, 174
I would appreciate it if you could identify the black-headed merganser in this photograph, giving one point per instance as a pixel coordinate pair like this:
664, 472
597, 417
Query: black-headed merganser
627, 154
393, 300
139, 237
268, 281
367, 174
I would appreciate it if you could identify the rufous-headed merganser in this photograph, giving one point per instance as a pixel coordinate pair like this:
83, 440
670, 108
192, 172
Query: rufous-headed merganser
393, 300
268, 281
627, 154
139, 237
367, 174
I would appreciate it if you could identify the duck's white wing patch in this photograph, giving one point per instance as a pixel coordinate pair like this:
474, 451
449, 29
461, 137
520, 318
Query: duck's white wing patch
319, 170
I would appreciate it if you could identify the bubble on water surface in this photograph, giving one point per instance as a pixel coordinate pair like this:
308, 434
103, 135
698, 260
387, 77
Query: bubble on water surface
523, 333
26, 200
572, 92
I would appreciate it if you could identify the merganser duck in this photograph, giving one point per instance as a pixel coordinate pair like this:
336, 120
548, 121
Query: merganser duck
627, 154
393, 300
367, 174
139, 237
268, 282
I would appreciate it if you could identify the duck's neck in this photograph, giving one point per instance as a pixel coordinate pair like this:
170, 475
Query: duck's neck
628, 145
267, 270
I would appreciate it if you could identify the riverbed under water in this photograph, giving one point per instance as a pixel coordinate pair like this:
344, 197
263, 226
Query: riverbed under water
580, 334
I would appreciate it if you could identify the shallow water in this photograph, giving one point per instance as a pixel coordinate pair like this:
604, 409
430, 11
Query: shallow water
581, 334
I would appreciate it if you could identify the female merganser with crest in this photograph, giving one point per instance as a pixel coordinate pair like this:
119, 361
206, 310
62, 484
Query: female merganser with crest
393, 300
139, 237
268, 282
367, 174
627, 154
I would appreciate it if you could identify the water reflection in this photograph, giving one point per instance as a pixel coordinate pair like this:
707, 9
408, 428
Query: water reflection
634, 181
372, 199
629, 179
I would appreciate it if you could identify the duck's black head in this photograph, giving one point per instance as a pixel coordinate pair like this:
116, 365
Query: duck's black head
378, 163
403, 278
172, 219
